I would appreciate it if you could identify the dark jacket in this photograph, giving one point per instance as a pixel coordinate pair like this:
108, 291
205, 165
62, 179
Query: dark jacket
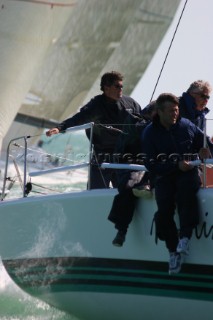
128, 145
104, 114
188, 110
128, 148
165, 148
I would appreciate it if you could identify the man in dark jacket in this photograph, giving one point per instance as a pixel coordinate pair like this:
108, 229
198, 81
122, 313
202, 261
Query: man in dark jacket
108, 112
131, 184
170, 142
192, 103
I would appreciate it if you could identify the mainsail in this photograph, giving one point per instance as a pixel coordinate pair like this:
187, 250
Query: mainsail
56, 53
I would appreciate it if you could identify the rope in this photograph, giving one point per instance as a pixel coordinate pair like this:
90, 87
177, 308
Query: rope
42, 153
169, 49
43, 187
49, 3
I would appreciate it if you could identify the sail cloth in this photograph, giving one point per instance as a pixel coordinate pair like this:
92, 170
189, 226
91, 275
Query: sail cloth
58, 54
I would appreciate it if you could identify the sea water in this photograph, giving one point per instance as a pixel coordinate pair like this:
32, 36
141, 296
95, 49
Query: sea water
14, 303
17, 305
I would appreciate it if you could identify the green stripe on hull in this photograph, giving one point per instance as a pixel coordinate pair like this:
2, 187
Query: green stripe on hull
37, 276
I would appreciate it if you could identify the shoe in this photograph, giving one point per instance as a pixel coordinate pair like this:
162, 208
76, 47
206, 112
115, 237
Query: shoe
143, 191
175, 262
119, 239
183, 246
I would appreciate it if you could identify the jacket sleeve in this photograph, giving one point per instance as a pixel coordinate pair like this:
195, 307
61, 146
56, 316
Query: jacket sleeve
136, 108
131, 105
88, 113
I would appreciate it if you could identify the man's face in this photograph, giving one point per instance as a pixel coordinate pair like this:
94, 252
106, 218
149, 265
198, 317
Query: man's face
114, 91
201, 98
169, 115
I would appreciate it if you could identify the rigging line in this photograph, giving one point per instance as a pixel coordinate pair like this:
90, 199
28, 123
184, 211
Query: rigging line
36, 151
169, 50
47, 154
52, 4
46, 188
109, 125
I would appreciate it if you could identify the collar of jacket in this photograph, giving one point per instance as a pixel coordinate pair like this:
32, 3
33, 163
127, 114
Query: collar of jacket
190, 104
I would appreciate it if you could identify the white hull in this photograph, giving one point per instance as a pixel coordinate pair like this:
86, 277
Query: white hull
132, 306
59, 249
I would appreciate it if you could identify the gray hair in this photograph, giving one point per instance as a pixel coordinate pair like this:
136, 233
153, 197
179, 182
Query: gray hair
199, 86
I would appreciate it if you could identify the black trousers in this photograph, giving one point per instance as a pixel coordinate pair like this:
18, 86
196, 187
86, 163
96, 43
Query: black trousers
177, 191
122, 210
101, 178
125, 202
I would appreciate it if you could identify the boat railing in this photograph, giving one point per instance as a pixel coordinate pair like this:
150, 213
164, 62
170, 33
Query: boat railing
23, 179
206, 163
24, 138
123, 166
60, 169
74, 166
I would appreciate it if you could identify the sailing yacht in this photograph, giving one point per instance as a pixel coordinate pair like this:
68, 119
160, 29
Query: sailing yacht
57, 246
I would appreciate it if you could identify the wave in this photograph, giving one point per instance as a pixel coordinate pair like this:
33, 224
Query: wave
17, 305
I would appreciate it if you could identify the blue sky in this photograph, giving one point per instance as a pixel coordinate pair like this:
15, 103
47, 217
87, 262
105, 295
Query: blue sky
190, 57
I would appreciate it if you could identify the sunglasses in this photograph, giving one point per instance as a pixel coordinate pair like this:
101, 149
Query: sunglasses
203, 96
117, 86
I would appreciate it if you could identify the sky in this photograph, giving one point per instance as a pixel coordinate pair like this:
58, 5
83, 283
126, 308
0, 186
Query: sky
190, 57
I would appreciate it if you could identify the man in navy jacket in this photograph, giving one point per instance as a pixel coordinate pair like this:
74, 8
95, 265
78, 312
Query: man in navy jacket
108, 111
170, 143
192, 103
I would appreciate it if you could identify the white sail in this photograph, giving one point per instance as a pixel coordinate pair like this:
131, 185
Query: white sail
27, 30
58, 53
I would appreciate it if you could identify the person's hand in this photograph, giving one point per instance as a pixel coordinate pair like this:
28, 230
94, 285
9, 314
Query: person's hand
185, 166
204, 153
52, 131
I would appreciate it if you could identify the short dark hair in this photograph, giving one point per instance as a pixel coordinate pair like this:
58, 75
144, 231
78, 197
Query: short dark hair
166, 97
109, 78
